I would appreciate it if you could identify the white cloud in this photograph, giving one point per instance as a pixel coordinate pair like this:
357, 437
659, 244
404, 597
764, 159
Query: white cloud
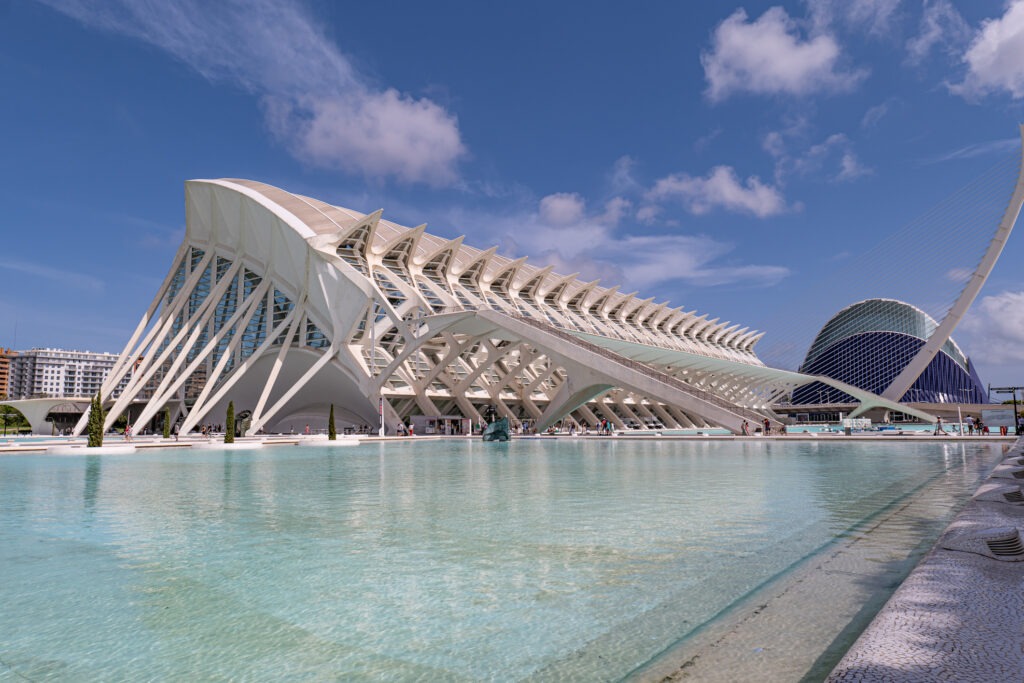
621, 177
959, 275
996, 323
316, 103
648, 213
850, 168
615, 210
60, 276
569, 209
941, 25
721, 188
833, 159
646, 260
560, 231
995, 59
977, 150
874, 114
877, 17
704, 141
768, 56
562, 209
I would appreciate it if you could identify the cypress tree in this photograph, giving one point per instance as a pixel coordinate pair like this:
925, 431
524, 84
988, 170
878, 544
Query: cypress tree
229, 428
167, 422
95, 423
332, 433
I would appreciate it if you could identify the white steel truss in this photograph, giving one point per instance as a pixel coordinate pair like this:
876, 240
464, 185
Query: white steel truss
287, 305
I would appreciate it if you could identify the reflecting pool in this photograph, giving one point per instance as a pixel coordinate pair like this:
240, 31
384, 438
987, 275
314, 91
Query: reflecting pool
440, 560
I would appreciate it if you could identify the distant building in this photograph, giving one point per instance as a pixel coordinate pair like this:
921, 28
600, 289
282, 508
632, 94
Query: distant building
57, 373
867, 344
5, 371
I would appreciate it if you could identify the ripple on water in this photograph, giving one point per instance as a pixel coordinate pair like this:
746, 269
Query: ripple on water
409, 561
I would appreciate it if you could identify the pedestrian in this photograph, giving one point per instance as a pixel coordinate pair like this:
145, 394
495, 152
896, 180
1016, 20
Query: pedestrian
745, 428
970, 425
307, 429
767, 426
176, 430
128, 432
938, 426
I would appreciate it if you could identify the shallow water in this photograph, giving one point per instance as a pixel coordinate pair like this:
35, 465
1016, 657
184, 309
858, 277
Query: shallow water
452, 560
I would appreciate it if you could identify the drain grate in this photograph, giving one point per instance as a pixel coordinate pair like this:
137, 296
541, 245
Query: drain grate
1009, 546
1001, 543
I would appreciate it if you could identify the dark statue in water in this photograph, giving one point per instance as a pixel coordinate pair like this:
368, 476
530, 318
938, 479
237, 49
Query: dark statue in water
498, 431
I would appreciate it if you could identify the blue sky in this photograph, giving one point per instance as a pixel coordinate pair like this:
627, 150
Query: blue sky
737, 159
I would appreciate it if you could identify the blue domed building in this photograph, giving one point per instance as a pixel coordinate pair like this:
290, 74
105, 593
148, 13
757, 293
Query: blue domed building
867, 344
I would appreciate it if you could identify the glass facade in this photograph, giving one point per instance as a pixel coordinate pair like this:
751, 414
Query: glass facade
869, 343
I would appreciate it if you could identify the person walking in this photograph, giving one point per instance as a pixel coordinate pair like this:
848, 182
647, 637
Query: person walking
767, 426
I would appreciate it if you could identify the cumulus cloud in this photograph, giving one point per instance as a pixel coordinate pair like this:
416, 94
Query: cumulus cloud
563, 232
999, 321
721, 188
561, 209
995, 59
941, 26
315, 101
768, 56
615, 209
648, 213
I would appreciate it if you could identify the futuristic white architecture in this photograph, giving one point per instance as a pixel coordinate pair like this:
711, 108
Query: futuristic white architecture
286, 305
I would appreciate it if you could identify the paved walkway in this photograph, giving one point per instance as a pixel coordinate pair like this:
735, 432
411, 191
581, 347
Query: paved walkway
959, 616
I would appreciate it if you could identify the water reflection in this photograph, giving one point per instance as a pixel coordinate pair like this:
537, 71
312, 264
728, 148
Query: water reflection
92, 482
456, 560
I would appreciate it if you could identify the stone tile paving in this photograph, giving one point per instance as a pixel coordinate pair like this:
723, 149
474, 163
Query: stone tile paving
799, 626
959, 616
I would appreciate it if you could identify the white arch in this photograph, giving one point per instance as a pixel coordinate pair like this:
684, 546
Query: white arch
919, 362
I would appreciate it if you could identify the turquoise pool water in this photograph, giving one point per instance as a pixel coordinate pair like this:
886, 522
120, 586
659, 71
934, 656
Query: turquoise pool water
455, 560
